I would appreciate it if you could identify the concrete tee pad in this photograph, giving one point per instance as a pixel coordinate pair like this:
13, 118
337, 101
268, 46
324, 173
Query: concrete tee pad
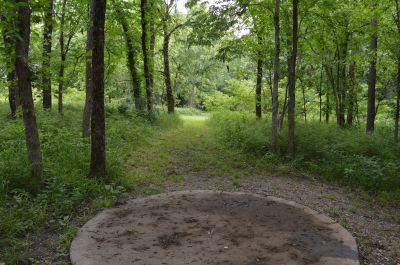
210, 228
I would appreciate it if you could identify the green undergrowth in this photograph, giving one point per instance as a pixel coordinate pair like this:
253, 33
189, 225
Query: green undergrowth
67, 192
348, 156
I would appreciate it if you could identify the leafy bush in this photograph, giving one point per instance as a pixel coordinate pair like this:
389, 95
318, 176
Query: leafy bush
350, 156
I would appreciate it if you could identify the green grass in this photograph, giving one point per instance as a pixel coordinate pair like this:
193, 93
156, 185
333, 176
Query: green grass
190, 150
67, 189
349, 156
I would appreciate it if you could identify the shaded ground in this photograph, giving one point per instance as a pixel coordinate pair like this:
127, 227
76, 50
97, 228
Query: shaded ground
188, 158
213, 228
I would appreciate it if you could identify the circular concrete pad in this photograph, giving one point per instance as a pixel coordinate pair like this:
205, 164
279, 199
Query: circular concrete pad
204, 227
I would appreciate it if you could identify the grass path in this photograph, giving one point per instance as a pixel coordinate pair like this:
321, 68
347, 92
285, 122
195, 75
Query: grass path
186, 152
188, 157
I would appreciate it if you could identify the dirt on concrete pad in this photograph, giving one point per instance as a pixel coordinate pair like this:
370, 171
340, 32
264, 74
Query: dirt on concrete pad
204, 227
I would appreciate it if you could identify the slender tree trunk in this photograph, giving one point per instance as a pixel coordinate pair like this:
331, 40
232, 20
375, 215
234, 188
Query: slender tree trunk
303, 92
292, 82
131, 58
152, 49
320, 94
275, 94
9, 43
24, 84
284, 108
352, 92
62, 61
333, 84
259, 78
327, 103
397, 114
146, 60
342, 80
372, 77
87, 110
61, 84
98, 143
46, 68
167, 73
13, 95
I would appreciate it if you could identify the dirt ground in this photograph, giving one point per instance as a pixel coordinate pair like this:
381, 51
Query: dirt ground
212, 228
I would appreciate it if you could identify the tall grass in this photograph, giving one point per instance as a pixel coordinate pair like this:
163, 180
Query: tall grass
67, 189
350, 156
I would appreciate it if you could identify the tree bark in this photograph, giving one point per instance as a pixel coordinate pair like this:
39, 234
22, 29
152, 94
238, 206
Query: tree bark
131, 59
275, 99
152, 49
397, 112
146, 60
62, 59
284, 108
303, 92
342, 83
46, 68
372, 77
292, 82
167, 73
352, 92
98, 144
9, 43
87, 110
259, 76
320, 94
259, 79
327, 103
24, 84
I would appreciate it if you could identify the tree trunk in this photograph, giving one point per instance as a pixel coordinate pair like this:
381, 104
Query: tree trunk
167, 73
146, 59
397, 114
303, 92
152, 49
372, 77
275, 99
131, 58
342, 83
284, 108
9, 43
62, 60
327, 103
87, 110
259, 77
61, 85
352, 92
46, 68
24, 84
292, 82
98, 143
320, 95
